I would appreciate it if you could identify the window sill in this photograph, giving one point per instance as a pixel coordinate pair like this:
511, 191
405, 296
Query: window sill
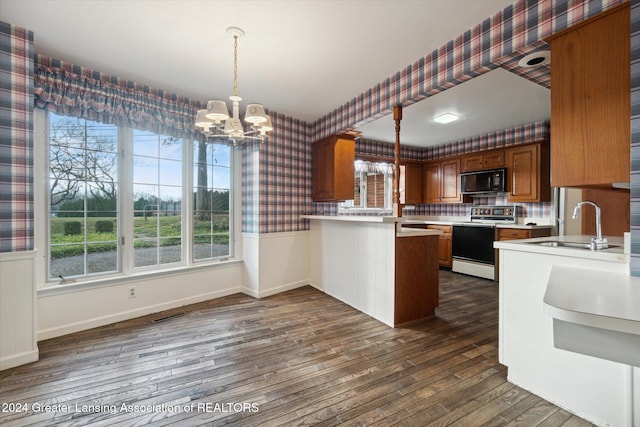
85, 284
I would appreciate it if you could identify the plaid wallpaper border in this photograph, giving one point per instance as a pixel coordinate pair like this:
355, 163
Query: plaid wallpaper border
478, 50
16, 139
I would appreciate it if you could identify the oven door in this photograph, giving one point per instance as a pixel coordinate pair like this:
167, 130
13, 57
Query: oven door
474, 242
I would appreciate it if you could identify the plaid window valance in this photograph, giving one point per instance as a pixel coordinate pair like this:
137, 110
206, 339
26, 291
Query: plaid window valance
77, 91
373, 167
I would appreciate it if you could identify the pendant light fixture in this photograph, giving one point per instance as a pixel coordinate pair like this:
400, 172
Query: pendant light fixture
215, 121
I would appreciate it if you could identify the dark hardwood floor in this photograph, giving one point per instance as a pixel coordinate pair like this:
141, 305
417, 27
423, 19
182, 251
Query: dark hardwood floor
297, 358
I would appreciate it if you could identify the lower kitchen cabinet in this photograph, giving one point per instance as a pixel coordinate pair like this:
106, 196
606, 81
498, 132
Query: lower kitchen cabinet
521, 233
444, 241
444, 244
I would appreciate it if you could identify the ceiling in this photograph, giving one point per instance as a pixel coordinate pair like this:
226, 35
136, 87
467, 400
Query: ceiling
299, 58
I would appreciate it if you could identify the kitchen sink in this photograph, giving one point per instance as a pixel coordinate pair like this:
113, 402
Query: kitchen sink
579, 245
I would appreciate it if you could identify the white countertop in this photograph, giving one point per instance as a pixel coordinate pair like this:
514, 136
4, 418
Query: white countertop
615, 254
594, 298
354, 218
413, 220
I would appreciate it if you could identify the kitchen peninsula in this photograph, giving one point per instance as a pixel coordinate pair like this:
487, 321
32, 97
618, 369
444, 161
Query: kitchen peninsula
545, 279
375, 265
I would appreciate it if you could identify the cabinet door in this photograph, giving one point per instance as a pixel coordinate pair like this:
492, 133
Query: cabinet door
472, 163
513, 233
450, 173
522, 165
411, 183
320, 188
333, 174
590, 102
431, 187
493, 160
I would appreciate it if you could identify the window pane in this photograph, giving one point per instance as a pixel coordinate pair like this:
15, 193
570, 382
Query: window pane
157, 199
212, 185
83, 218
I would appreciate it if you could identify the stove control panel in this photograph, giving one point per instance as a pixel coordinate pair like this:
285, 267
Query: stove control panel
506, 214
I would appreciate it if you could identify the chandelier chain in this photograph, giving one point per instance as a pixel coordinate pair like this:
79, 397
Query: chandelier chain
235, 65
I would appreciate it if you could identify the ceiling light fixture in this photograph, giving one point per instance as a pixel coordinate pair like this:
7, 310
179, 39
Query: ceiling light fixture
211, 120
535, 59
445, 118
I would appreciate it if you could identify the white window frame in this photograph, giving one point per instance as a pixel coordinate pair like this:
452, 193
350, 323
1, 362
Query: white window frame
125, 213
347, 207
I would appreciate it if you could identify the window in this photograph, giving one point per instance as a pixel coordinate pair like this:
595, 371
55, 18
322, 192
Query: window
157, 199
122, 200
212, 216
83, 192
373, 188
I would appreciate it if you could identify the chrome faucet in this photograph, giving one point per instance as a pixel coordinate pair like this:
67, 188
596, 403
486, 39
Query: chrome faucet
597, 242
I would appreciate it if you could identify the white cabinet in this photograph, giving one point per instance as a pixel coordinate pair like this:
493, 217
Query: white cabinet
595, 389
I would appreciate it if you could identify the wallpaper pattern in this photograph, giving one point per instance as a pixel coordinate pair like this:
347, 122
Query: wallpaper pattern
281, 169
16, 139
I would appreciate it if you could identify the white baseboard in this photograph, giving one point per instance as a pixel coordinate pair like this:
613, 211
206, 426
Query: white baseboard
19, 359
131, 314
276, 290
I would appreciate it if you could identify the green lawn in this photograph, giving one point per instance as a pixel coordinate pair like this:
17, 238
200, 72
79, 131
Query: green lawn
168, 228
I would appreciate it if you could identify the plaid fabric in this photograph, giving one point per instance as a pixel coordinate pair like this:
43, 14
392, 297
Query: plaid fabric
278, 176
16, 139
496, 40
72, 90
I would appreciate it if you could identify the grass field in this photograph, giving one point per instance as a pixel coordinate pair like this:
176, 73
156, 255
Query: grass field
149, 232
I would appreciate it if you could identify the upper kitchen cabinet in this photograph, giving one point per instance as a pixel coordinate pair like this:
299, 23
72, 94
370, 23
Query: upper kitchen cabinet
490, 160
441, 181
410, 183
528, 173
590, 98
333, 170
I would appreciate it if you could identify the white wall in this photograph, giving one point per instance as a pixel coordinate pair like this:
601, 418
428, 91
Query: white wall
78, 307
17, 309
275, 262
272, 263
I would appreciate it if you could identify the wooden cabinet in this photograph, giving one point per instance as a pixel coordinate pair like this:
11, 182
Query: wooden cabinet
444, 241
590, 102
491, 160
416, 293
444, 244
615, 207
333, 174
521, 233
528, 173
410, 183
441, 181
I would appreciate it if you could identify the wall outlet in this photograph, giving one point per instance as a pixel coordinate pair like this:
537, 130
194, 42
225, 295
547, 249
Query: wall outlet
132, 292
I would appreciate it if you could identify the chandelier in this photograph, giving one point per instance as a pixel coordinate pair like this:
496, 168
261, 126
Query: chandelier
215, 120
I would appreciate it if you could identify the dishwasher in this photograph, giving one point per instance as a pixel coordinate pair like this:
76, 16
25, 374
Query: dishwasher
472, 241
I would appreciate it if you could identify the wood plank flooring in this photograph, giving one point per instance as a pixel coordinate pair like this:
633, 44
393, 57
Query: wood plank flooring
297, 358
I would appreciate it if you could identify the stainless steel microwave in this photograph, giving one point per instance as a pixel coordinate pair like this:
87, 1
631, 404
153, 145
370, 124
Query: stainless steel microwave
488, 181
